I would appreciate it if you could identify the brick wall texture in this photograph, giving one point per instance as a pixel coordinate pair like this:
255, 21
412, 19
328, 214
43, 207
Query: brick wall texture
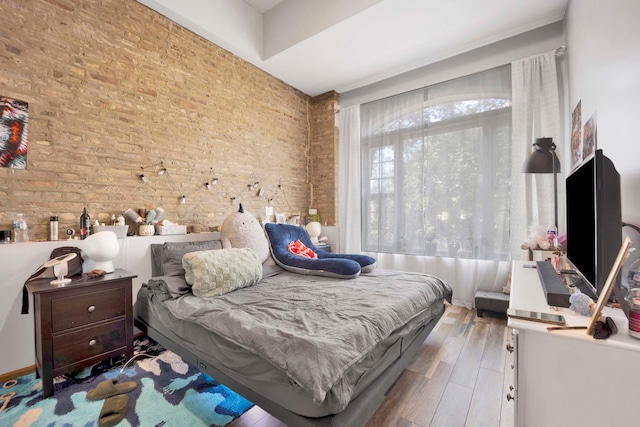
115, 88
323, 156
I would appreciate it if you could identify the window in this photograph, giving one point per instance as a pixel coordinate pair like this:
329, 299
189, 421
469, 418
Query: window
436, 169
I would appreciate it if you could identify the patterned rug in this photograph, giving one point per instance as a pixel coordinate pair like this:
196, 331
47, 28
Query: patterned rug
169, 393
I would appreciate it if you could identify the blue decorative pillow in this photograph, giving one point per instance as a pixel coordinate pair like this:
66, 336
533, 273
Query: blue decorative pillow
327, 263
367, 264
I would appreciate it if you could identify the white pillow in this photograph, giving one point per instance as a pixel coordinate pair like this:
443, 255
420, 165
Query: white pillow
216, 272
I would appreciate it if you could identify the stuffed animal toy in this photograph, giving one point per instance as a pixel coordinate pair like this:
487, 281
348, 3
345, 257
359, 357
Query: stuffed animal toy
537, 239
581, 303
242, 230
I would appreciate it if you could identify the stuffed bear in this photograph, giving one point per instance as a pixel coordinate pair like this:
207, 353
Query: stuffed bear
537, 239
242, 230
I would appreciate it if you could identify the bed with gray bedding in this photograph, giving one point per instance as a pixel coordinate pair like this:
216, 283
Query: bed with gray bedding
310, 350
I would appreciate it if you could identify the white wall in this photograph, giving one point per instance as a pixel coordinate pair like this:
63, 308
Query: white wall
603, 58
524, 45
19, 260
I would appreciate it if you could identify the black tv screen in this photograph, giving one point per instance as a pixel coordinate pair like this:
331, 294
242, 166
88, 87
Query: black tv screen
594, 219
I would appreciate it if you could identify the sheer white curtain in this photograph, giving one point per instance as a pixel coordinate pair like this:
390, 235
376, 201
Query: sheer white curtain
536, 114
349, 213
435, 181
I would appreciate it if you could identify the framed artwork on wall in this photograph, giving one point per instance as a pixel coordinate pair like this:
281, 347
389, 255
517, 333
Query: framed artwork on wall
576, 134
590, 137
13, 133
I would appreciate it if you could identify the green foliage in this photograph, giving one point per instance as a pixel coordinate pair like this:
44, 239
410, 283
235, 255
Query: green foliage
448, 169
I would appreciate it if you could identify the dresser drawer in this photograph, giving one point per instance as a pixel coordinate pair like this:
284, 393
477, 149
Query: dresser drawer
77, 325
90, 342
87, 308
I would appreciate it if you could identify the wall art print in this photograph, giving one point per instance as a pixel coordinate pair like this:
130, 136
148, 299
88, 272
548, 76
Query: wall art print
590, 137
13, 133
576, 133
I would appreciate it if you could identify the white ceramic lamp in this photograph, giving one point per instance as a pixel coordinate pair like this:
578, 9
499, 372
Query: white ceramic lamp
101, 248
313, 229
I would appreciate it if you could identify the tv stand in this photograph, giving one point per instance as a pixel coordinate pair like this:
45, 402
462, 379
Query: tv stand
566, 377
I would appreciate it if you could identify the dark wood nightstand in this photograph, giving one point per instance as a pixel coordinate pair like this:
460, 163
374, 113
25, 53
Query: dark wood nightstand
324, 246
81, 323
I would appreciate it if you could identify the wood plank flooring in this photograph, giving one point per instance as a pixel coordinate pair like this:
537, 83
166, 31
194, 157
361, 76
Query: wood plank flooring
460, 378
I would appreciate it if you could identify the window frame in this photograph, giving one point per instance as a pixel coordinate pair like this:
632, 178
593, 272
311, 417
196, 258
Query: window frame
490, 121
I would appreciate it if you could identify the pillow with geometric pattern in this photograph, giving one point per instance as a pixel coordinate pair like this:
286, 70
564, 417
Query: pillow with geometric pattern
216, 272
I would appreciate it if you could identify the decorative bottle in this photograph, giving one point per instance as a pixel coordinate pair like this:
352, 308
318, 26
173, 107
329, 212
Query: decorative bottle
633, 298
552, 235
85, 224
20, 229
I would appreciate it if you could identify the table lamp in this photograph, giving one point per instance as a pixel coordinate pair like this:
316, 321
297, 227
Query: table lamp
101, 248
543, 159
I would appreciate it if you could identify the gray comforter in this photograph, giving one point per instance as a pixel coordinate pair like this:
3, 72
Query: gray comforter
316, 328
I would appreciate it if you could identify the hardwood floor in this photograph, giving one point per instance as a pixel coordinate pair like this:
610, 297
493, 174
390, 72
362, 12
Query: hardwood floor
460, 378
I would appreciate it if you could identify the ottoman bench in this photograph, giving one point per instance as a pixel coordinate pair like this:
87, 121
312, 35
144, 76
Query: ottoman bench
493, 302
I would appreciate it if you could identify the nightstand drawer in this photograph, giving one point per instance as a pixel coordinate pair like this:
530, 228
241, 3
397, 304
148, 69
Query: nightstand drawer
85, 322
84, 309
86, 343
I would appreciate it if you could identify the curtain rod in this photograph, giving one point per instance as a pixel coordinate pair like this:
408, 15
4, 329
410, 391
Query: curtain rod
561, 51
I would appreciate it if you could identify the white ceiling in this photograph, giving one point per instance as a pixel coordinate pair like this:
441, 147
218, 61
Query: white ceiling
322, 45
263, 5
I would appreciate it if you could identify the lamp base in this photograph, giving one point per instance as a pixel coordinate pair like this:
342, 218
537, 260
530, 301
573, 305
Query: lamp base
61, 281
107, 266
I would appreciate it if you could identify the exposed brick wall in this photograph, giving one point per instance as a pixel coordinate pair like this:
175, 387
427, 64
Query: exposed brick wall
323, 155
113, 86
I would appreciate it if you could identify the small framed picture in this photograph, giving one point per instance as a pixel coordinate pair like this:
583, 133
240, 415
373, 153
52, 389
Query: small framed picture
280, 218
589, 138
605, 293
295, 220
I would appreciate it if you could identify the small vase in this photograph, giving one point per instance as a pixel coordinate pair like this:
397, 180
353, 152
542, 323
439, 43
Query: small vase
146, 230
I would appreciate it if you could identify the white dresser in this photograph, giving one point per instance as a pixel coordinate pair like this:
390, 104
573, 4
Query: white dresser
567, 378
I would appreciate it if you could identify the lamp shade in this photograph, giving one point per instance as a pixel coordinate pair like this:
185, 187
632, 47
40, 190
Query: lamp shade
101, 248
543, 158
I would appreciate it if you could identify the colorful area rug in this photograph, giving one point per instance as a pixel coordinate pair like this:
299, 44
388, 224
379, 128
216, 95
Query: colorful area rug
169, 393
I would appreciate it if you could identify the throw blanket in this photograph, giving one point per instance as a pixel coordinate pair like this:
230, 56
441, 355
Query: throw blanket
317, 328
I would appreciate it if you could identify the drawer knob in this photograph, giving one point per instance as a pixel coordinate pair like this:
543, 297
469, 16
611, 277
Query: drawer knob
91, 308
509, 348
92, 343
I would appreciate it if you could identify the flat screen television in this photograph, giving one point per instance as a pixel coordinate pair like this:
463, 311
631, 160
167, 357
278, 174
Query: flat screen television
594, 220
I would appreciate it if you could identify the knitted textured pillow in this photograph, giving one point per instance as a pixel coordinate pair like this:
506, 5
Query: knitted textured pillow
217, 272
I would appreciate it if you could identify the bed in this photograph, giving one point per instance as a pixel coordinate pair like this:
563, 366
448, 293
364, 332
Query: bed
310, 350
